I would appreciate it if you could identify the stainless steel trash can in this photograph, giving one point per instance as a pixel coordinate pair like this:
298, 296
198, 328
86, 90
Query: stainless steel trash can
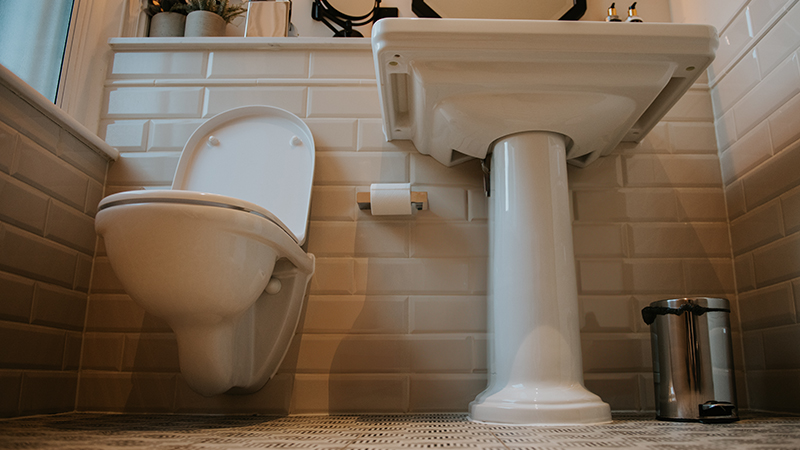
692, 359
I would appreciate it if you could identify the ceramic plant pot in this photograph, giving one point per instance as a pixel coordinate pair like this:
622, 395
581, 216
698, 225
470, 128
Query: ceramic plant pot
167, 24
204, 23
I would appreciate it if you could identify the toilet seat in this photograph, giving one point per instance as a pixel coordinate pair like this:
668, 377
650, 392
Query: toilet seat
259, 154
192, 198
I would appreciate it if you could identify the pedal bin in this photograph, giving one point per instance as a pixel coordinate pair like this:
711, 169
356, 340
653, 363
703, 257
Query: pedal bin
692, 359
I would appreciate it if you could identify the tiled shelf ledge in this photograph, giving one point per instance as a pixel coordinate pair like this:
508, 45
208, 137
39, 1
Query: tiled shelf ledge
38, 101
237, 43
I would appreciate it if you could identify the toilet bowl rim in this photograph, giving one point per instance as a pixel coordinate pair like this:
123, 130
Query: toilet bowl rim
193, 198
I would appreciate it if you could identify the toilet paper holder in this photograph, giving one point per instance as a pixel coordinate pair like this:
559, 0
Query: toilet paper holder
419, 200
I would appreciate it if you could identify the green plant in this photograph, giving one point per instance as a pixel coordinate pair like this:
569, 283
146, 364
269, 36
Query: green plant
219, 7
156, 6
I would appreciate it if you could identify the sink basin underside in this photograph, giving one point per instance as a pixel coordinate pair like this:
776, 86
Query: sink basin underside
454, 86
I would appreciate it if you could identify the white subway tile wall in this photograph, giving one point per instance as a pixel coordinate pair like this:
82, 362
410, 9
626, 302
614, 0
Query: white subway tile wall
756, 93
50, 183
396, 316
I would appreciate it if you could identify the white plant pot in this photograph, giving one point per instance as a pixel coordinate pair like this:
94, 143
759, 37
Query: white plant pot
204, 23
167, 24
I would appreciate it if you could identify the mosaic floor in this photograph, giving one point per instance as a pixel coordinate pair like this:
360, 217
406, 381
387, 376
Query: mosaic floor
104, 431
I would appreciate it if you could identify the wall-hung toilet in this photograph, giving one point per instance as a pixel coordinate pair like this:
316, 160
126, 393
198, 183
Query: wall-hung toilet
202, 255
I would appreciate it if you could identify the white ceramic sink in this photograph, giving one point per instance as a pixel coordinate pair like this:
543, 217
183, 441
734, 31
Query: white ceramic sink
459, 84
527, 97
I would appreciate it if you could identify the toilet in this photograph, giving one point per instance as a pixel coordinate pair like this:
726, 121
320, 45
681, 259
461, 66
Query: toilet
218, 256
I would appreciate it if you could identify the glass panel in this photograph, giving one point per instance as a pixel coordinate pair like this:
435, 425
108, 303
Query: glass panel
33, 35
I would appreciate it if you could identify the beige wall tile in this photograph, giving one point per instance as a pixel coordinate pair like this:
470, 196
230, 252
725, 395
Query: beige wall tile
620, 391
757, 228
16, 297
449, 240
707, 277
45, 171
746, 153
119, 313
385, 239
158, 65
358, 314
444, 203
342, 64
143, 169
426, 170
333, 276
784, 124
108, 391
334, 134
605, 172
258, 64
81, 156
169, 135
35, 347
701, 205
340, 168
447, 314
601, 277
350, 393
27, 120
220, 98
412, 276
102, 351
58, 307
351, 354
125, 135
607, 314
672, 170
692, 137
444, 393
599, 240
9, 393
611, 352
32, 256
22, 205
70, 227
154, 102
150, 353
768, 307
745, 273
773, 178
440, 354
48, 393
356, 101
333, 203
774, 390
105, 281
782, 347
653, 276
679, 240
790, 207
695, 105
8, 146
777, 261
775, 89
734, 200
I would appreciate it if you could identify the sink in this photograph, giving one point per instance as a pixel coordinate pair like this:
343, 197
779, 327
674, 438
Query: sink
453, 86
528, 98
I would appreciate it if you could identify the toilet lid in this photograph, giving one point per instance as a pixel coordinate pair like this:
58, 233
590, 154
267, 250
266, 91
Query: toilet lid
259, 154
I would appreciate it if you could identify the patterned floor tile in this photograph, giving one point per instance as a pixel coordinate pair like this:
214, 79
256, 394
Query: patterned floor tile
367, 432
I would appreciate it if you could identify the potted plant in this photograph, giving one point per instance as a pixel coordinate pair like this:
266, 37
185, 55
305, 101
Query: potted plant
209, 17
167, 17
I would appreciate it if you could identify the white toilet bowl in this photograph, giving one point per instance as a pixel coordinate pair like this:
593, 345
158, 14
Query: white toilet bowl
202, 254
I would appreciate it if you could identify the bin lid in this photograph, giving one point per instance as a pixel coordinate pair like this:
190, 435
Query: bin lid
677, 306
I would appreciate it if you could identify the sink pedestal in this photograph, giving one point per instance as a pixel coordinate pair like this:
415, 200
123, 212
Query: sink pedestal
536, 374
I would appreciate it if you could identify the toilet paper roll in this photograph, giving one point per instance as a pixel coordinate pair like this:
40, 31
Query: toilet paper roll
390, 199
